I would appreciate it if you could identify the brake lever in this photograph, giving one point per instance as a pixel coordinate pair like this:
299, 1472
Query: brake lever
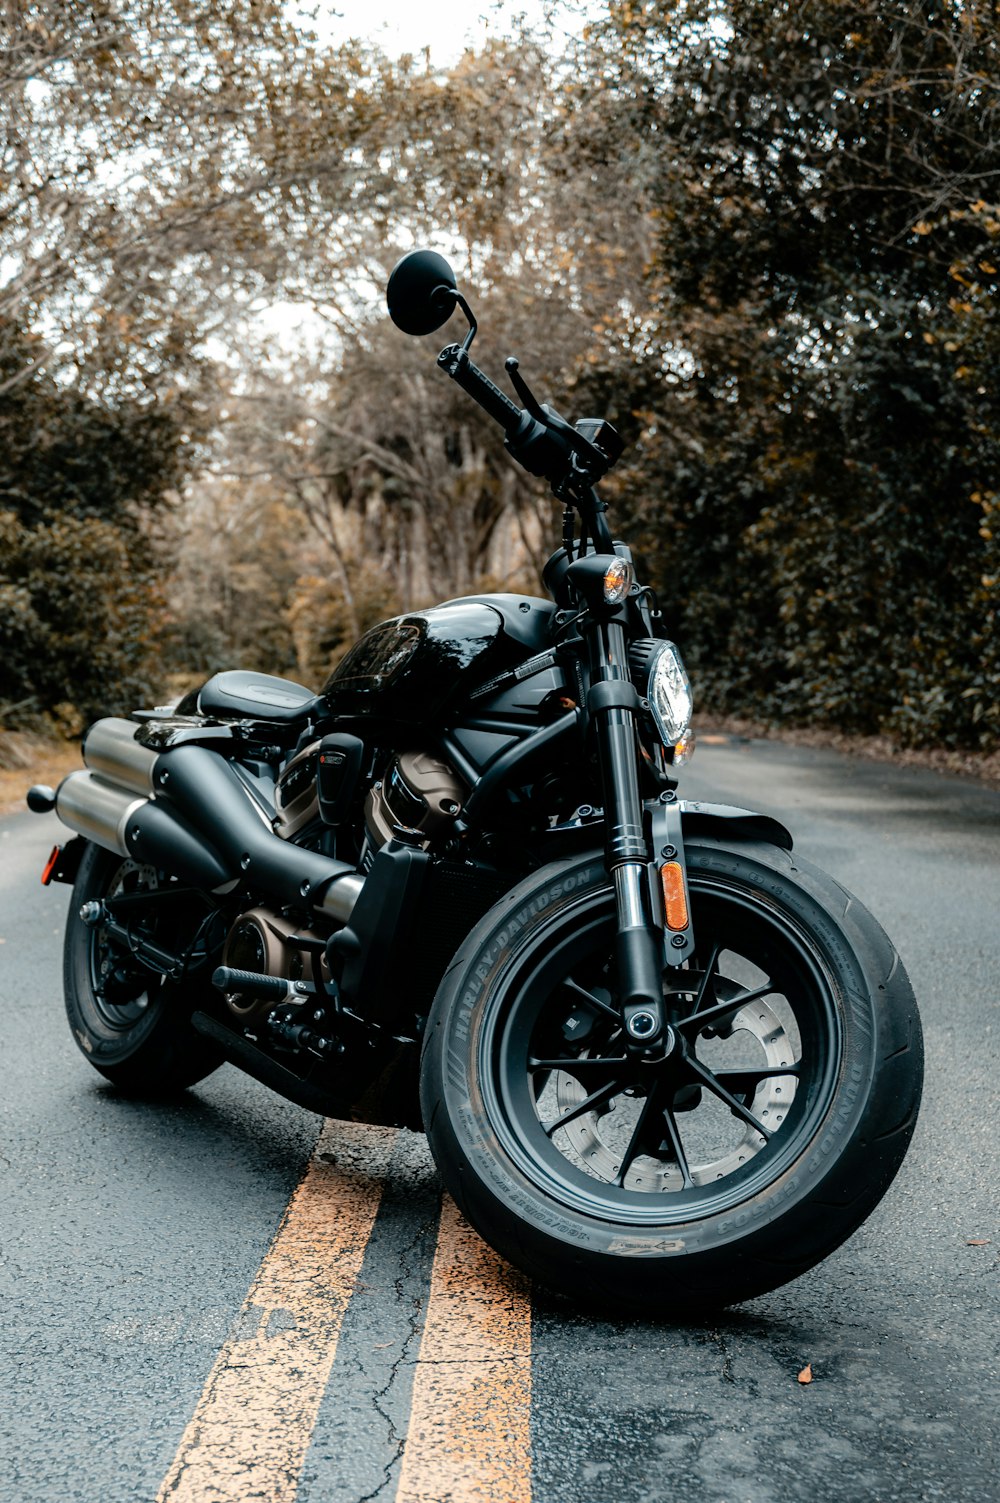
513, 368
578, 444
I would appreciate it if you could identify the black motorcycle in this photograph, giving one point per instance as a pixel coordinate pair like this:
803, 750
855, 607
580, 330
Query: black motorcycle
662, 1062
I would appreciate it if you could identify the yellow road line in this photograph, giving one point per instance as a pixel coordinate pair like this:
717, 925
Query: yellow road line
469, 1433
248, 1436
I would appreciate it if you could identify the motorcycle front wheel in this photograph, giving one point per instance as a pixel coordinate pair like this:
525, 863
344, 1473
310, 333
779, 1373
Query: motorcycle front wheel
762, 1136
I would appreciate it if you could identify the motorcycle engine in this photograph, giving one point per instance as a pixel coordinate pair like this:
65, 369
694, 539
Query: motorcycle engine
419, 798
269, 945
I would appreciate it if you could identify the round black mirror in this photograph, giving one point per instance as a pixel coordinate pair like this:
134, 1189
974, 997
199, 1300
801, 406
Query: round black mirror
421, 292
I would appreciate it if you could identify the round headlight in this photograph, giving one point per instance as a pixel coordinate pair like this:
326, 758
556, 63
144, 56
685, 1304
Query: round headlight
667, 688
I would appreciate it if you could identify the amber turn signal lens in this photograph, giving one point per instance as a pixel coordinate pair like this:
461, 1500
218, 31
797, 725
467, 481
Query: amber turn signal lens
684, 748
618, 578
674, 896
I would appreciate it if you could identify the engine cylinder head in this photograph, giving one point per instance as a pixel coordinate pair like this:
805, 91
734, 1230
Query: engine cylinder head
417, 800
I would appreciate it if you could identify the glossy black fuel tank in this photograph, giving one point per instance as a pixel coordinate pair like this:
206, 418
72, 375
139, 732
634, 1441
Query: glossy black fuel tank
408, 670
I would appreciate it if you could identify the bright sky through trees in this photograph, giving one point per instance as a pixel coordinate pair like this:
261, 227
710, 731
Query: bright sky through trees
398, 26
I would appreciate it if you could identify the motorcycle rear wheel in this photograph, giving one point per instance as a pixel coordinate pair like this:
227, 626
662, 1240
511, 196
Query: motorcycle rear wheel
750, 1152
132, 1025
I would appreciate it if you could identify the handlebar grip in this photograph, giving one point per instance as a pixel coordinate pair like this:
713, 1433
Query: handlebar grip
471, 379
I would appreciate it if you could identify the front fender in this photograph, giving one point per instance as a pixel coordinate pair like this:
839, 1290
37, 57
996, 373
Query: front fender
734, 823
697, 818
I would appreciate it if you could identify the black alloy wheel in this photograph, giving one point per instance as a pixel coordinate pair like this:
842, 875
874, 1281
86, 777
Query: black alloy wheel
751, 1057
749, 1146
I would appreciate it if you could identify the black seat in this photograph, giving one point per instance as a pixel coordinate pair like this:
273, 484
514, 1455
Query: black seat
251, 696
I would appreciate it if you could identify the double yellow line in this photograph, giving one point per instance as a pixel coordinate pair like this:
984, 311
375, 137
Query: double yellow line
468, 1435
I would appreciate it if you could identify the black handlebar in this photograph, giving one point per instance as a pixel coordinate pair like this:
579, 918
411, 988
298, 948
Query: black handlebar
455, 360
421, 294
543, 444
570, 459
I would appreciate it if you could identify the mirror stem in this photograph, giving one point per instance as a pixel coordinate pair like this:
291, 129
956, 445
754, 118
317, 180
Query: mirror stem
473, 326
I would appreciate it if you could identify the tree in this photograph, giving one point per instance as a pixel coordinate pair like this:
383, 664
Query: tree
389, 464
172, 167
79, 599
236, 552
762, 239
810, 390
360, 431
149, 191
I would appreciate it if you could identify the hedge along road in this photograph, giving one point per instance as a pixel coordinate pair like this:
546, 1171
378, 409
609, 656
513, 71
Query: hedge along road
219, 1297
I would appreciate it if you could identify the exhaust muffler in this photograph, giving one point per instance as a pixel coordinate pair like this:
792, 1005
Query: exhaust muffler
96, 809
139, 828
111, 750
199, 821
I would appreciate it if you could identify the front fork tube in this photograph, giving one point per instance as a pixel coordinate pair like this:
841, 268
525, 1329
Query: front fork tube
613, 703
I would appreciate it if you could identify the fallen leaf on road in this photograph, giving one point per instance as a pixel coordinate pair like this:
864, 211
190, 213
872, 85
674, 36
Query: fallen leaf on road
806, 1375
978, 1241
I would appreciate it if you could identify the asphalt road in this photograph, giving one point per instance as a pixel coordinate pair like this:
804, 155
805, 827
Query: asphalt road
135, 1251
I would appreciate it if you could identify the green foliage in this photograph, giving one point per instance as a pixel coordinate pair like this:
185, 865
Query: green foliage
813, 391
77, 604
169, 168
63, 449
763, 237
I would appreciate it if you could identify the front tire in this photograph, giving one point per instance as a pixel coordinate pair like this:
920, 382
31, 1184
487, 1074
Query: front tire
766, 1137
132, 1025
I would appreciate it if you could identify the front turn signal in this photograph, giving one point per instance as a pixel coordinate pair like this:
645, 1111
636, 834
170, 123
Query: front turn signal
618, 580
684, 748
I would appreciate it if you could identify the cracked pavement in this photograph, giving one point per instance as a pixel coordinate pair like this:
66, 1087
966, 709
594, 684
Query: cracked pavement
357, 1447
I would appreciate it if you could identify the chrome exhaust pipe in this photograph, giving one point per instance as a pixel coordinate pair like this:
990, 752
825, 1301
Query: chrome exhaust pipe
97, 810
111, 750
109, 804
340, 897
139, 829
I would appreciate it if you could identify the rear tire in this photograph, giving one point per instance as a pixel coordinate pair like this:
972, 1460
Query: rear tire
751, 1153
132, 1025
